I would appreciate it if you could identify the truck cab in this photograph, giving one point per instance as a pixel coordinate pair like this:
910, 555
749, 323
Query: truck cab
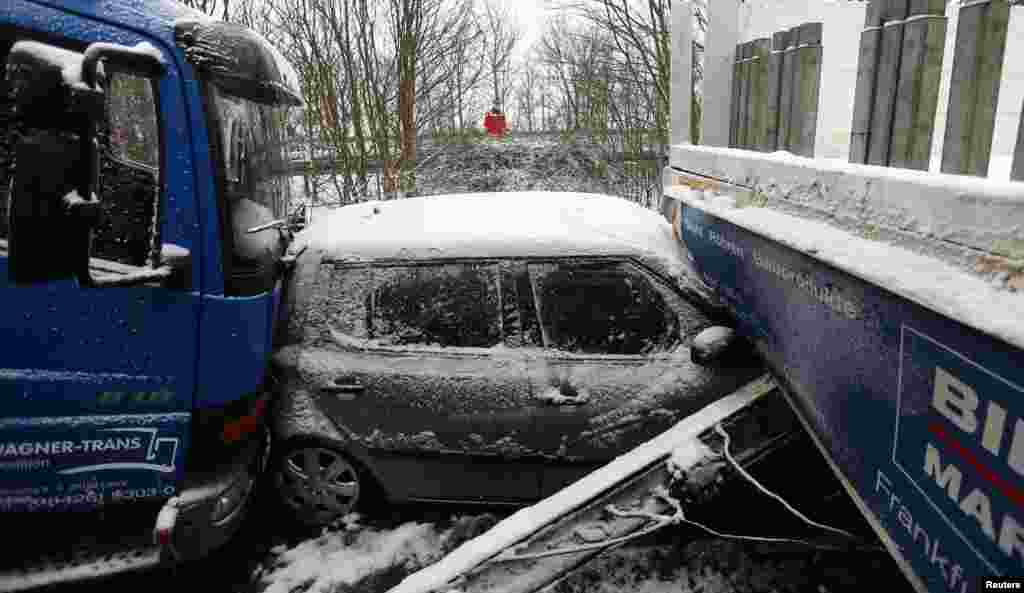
144, 204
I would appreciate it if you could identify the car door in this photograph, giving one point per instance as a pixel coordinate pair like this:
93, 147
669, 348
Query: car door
615, 369
414, 371
96, 383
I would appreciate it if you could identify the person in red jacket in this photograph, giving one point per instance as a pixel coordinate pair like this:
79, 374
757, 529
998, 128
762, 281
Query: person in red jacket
494, 122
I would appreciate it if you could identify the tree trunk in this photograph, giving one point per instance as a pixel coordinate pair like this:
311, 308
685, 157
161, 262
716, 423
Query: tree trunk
407, 110
390, 175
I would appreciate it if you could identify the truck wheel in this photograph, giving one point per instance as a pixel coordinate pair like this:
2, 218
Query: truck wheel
316, 482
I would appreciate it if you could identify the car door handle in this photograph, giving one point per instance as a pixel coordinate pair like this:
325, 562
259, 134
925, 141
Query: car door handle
560, 397
564, 400
344, 385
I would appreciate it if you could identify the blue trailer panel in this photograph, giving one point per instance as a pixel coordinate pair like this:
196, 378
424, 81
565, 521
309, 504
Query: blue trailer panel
919, 414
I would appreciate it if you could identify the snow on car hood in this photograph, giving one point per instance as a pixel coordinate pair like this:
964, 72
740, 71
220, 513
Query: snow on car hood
513, 224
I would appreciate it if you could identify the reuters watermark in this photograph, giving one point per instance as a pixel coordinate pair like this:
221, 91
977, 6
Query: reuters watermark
1001, 584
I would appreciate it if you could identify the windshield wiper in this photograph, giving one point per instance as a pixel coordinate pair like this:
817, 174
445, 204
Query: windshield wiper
289, 223
280, 223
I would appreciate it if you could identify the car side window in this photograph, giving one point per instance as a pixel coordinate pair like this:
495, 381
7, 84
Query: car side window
336, 307
446, 305
602, 308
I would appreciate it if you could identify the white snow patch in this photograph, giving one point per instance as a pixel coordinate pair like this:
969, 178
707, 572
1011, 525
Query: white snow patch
321, 564
953, 218
493, 225
687, 455
140, 49
70, 62
711, 159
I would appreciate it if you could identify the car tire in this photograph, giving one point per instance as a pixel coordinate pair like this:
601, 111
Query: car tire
317, 482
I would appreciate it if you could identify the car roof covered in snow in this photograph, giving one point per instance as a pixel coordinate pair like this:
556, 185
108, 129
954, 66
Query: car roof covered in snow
491, 225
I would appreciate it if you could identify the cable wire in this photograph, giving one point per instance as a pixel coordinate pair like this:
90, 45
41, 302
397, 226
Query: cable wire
767, 492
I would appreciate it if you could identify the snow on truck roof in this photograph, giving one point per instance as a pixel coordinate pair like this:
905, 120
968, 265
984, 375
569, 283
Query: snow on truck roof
512, 224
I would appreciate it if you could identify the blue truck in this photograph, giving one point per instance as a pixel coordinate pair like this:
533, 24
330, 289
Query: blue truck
143, 218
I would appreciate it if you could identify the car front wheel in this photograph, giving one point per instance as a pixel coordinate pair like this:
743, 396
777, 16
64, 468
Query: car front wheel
317, 483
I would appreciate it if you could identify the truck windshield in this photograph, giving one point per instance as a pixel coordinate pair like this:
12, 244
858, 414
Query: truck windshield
254, 140
254, 183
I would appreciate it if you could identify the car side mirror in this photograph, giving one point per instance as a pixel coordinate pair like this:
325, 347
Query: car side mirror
720, 346
53, 205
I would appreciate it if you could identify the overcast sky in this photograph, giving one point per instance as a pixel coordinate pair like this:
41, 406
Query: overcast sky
532, 16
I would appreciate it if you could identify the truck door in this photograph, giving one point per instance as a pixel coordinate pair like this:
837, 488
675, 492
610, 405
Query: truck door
97, 370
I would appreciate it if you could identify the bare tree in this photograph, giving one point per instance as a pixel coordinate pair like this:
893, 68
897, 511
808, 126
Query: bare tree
424, 34
527, 93
501, 35
374, 74
639, 30
579, 60
407, 22
558, 56
446, 55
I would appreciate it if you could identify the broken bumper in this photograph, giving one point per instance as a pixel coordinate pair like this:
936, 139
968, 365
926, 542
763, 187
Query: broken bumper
210, 508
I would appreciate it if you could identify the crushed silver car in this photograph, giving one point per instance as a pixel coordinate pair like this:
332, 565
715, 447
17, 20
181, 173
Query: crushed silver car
484, 347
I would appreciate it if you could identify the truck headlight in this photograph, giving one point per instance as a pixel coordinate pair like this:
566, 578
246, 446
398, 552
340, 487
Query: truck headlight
230, 499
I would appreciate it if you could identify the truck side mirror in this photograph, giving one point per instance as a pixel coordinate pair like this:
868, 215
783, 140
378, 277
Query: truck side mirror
51, 192
53, 206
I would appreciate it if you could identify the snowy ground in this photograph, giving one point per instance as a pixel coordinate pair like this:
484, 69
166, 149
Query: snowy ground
371, 559
363, 556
